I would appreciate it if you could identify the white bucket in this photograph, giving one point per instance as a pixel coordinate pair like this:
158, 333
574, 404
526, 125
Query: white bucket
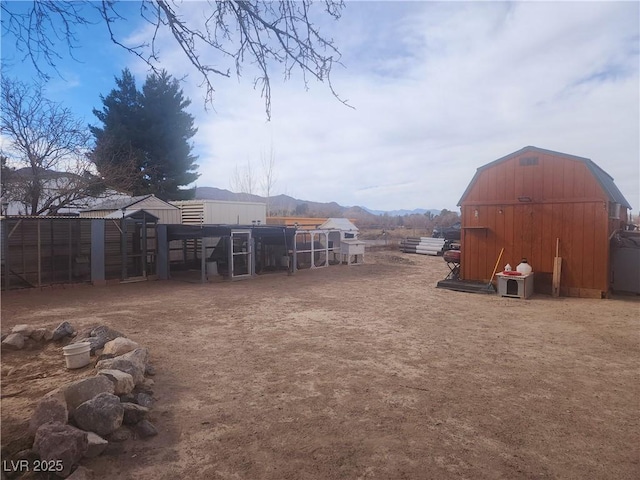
77, 354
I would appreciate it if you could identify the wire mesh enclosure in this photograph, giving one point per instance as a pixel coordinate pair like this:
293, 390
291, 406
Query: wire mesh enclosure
45, 251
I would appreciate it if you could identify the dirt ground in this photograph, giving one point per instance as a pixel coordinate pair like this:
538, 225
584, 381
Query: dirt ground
354, 372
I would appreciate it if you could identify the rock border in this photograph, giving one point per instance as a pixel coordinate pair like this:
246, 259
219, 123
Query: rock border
82, 418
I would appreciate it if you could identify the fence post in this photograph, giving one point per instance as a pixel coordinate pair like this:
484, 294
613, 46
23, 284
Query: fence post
97, 252
162, 256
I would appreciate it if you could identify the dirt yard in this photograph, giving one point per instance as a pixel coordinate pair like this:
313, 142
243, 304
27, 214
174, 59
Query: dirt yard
352, 373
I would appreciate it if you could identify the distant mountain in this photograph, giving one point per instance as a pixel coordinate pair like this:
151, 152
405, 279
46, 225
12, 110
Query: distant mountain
281, 204
286, 205
213, 193
395, 213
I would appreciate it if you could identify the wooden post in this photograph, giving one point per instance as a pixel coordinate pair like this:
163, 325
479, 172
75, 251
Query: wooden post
52, 250
144, 244
203, 260
39, 256
252, 255
557, 271
98, 240
69, 251
229, 241
22, 242
295, 252
5, 252
123, 246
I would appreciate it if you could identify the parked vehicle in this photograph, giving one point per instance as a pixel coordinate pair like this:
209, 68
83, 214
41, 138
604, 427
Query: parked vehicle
448, 233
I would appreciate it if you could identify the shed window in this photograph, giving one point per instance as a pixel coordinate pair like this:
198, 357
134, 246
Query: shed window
528, 161
614, 210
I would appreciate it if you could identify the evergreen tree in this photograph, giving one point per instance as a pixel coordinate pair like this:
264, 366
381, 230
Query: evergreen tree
144, 141
168, 128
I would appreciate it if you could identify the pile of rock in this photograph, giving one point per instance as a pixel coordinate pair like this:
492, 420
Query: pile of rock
21, 335
80, 419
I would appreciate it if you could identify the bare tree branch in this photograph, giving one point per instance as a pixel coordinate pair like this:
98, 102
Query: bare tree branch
46, 146
260, 33
244, 180
268, 176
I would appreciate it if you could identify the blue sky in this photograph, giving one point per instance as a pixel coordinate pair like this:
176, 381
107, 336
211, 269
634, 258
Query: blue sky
439, 89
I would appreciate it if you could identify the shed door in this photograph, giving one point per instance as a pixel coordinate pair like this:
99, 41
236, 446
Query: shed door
241, 254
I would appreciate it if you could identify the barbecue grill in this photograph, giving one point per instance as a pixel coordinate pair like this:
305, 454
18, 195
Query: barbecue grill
452, 257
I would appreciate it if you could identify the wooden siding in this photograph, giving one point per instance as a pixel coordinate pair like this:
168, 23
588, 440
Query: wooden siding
566, 202
552, 180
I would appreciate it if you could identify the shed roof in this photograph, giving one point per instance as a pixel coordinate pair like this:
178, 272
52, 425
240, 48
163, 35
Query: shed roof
343, 224
128, 202
134, 214
185, 232
603, 178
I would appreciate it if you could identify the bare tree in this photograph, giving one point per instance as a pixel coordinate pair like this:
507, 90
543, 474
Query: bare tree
45, 148
244, 181
268, 177
119, 164
257, 32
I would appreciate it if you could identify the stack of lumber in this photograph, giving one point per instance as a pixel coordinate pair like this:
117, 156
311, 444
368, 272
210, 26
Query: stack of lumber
422, 245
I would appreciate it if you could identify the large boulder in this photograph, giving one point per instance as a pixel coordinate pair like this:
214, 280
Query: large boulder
122, 381
23, 329
40, 334
97, 337
134, 363
85, 389
63, 330
102, 414
62, 445
119, 346
51, 409
13, 341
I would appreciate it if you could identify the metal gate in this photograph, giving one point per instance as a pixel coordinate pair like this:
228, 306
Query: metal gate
241, 255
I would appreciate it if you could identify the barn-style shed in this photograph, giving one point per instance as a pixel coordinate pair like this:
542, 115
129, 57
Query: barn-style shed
524, 202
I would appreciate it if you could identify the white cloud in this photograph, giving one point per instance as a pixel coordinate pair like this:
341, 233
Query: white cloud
439, 90
485, 80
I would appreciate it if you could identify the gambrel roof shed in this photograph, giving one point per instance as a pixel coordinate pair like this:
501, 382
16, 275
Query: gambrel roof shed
526, 201
603, 178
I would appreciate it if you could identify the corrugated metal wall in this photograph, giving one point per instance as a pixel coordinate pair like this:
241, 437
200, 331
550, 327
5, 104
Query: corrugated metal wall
559, 198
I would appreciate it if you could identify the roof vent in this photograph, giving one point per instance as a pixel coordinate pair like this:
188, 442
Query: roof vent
527, 161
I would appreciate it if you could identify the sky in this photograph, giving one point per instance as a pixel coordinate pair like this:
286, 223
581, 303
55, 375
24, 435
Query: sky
436, 89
